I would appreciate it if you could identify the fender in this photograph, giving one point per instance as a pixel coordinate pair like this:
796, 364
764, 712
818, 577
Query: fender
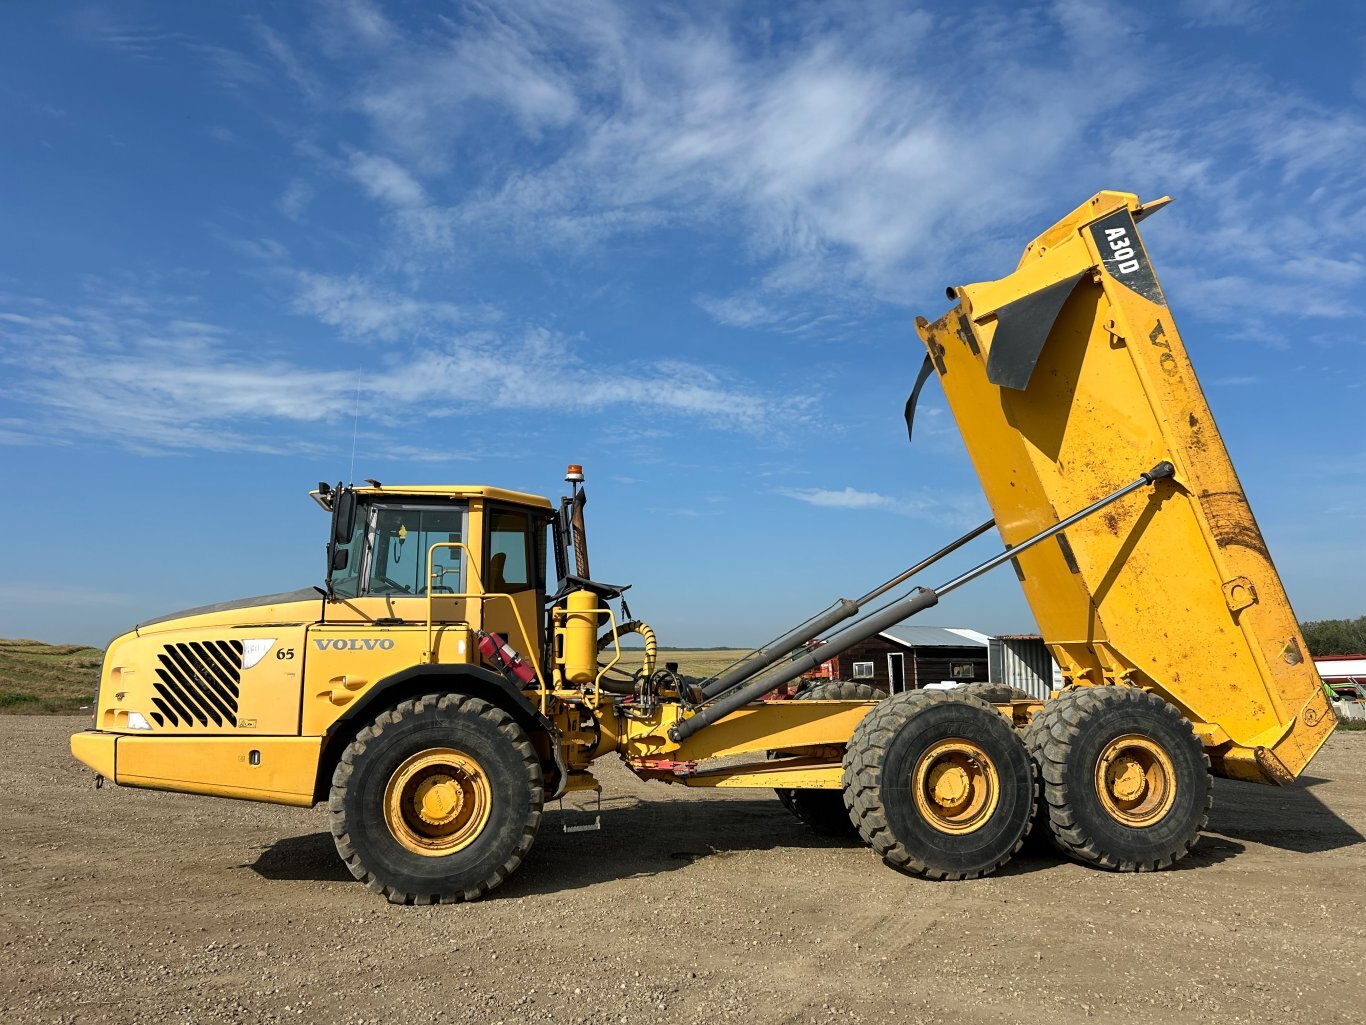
475, 681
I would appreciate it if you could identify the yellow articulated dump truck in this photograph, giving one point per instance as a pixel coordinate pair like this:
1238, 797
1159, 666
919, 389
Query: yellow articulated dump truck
441, 687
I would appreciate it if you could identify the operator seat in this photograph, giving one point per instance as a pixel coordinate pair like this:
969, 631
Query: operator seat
497, 582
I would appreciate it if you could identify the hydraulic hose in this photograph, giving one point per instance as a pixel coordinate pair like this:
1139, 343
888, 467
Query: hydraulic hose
647, 667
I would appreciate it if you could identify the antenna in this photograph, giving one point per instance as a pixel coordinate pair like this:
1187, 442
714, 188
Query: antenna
355, 429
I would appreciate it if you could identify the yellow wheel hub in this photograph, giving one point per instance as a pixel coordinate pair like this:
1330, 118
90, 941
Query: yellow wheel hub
956, 786
437, 802
1136, 780
438, 799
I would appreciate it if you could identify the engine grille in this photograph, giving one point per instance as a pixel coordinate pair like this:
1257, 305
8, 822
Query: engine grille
199, 683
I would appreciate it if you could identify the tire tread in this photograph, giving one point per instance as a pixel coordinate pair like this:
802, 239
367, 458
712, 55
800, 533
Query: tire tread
463, 704
1050, 736
862, 778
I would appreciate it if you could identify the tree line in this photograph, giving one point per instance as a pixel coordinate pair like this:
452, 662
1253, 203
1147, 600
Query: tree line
1335, 636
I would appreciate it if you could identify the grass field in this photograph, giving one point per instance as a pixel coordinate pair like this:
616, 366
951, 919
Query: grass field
696, 662
42, 679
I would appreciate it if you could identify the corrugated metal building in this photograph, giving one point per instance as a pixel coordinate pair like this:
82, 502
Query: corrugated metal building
1023, 661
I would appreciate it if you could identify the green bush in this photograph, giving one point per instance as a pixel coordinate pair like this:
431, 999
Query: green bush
1335, 636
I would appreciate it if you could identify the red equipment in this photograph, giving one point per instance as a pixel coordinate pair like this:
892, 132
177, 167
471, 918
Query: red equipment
505, 658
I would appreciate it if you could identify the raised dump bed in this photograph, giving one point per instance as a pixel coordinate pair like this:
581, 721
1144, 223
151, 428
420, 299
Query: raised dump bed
1067, 378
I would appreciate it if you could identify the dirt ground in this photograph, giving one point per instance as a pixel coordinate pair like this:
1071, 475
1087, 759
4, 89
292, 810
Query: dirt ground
687, 907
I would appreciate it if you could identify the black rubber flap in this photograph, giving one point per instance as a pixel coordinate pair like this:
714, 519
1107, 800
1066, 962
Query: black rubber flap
914, 399
1022, 327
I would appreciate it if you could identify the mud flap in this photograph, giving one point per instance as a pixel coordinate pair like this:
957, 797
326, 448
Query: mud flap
1022, 328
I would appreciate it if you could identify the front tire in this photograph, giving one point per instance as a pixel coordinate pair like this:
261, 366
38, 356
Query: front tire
437, 801
1125, 781
939, 784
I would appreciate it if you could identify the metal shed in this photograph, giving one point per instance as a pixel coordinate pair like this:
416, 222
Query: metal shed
1023, 661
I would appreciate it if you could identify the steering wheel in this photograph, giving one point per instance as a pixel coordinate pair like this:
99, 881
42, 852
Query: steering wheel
397, 587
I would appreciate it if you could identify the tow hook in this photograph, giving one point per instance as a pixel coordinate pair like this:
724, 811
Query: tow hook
99, 781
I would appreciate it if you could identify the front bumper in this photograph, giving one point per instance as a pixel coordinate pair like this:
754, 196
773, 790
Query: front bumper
277, 770
96, 750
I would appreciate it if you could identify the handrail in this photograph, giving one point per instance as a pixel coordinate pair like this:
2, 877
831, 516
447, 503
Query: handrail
602, 671
480, 596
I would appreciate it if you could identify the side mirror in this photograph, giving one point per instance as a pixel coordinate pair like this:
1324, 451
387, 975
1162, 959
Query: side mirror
343, 516
340, 558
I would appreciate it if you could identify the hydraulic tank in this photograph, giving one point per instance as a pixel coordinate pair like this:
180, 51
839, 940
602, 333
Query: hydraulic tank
578, 637
1068, 376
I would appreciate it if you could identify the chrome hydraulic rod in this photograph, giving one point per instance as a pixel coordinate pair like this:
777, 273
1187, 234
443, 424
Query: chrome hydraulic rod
926, 562
906, 607
763, 658
843, 609
1159, 472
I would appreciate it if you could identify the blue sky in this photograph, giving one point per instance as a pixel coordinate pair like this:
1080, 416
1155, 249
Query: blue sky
683, 245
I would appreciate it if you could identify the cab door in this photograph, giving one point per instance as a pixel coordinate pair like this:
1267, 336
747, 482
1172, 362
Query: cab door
514, 577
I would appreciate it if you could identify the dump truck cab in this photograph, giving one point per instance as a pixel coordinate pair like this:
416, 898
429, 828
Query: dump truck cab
434, 563
241, 697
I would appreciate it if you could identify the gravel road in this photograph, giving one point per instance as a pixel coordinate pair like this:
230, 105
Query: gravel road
687, 907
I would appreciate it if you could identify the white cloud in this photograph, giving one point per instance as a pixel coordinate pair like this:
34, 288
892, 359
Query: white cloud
295, 199
848, 498
828, 149
428, 87
230, 69
754, 309
359, 309
1223, 13
940, 507
386, 181
264, 250
287, 59
162, 381
359, 22
850, 172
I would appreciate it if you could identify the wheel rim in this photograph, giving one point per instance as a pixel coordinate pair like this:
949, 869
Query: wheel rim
1136, 780
437, 802
956, 787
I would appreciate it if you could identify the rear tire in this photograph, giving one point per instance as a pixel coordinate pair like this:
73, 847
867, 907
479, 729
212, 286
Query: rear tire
436, 801
1125, 781
823, 810
996, 693
939, 784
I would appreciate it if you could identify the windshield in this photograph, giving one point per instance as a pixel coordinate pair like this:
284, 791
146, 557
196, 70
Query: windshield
387, 552
398, 550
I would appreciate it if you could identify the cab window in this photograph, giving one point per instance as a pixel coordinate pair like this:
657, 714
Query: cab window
509, 565
400, 538
346, 581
